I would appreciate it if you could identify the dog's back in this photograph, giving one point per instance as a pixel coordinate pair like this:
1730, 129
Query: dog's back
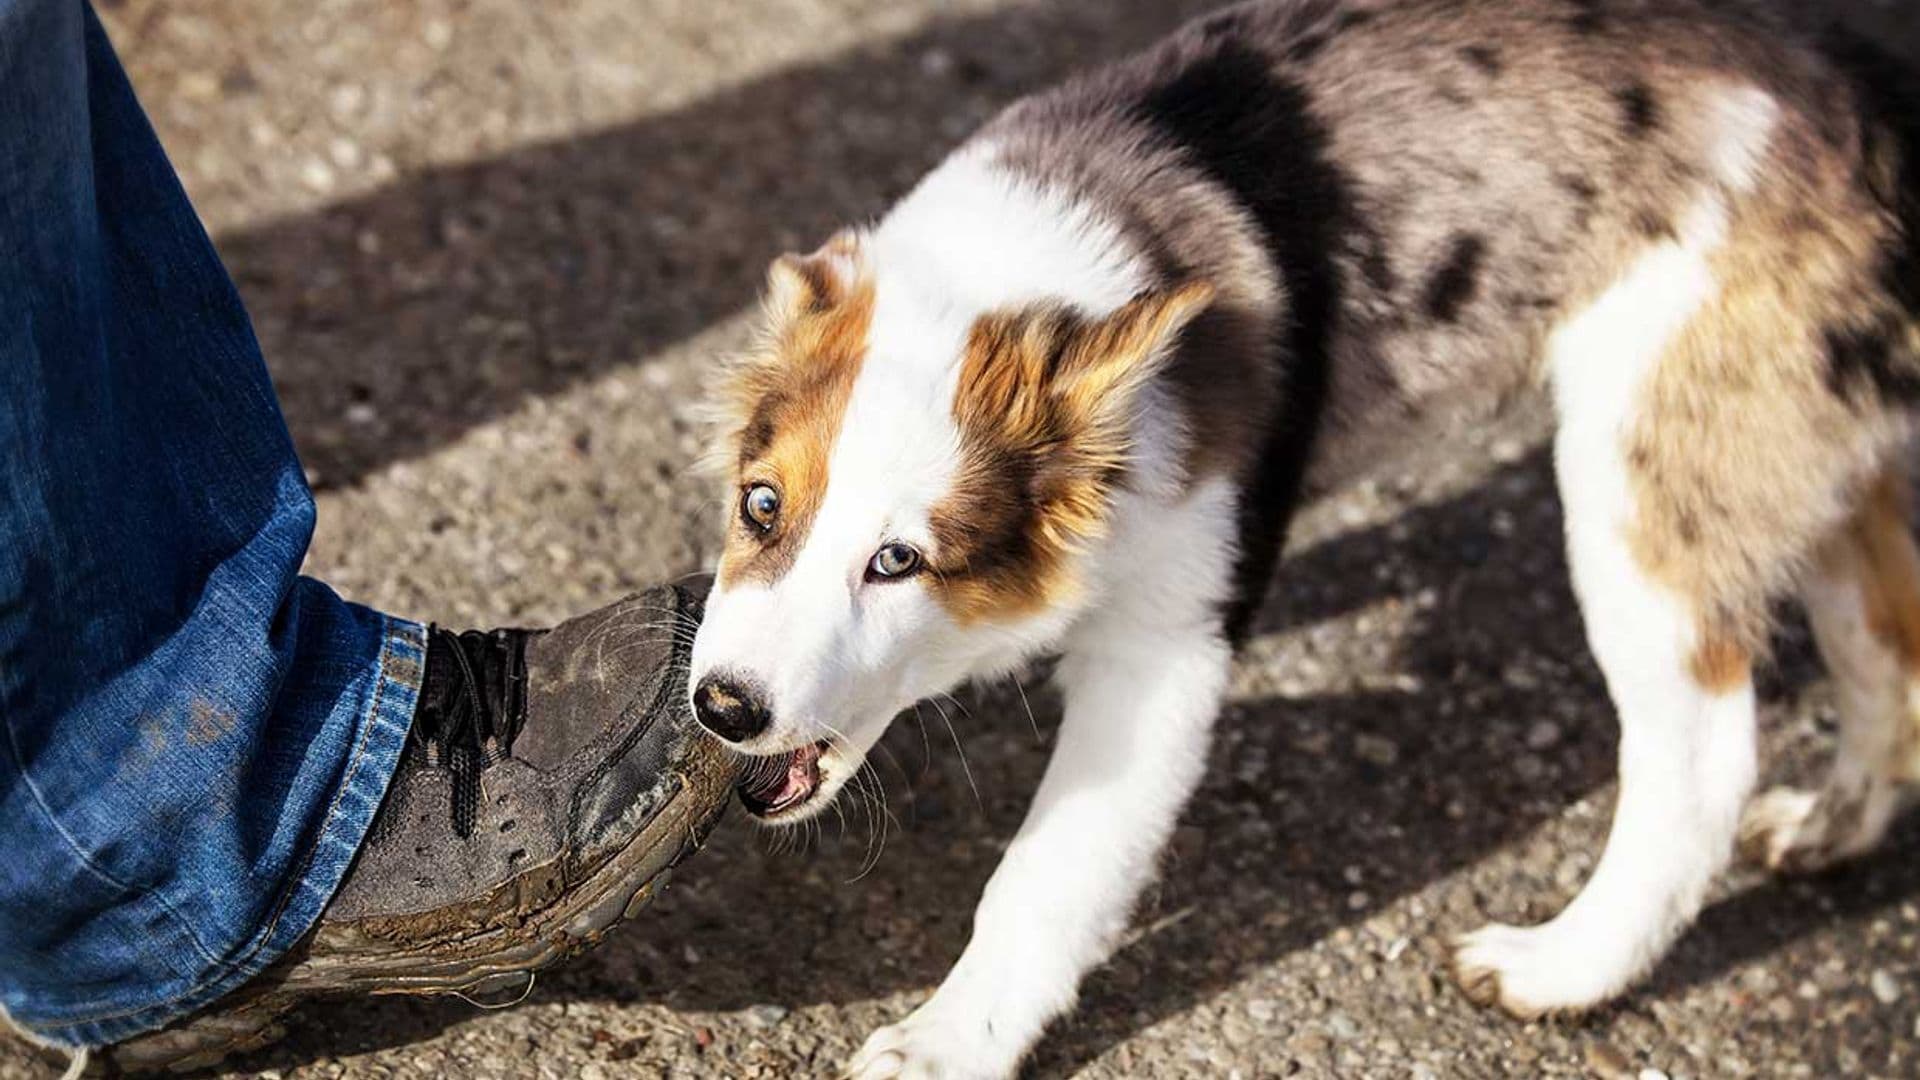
1401, 203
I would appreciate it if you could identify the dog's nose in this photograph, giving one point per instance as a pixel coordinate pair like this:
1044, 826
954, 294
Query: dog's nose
729, 709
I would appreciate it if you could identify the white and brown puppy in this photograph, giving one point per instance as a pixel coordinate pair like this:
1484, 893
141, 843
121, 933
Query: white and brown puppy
1064, 397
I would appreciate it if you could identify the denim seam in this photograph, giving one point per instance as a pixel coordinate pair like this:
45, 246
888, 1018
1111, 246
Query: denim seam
86, 861
374, 718
390, 634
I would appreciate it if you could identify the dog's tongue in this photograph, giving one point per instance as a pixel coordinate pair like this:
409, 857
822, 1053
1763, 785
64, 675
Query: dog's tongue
774, 782
799, 778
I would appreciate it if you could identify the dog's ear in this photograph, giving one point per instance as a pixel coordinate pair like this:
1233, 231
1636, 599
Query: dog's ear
1034, 375
1056, 395
805, 284
1104, 364
818, 307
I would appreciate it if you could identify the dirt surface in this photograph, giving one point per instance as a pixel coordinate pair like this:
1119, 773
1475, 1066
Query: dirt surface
492, 245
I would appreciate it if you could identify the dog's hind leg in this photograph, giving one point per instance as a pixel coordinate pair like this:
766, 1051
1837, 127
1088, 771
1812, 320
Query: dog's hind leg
1863, 600
1687, 764
1680, 685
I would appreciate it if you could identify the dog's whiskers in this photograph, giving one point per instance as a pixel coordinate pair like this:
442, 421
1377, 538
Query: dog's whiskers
965, 768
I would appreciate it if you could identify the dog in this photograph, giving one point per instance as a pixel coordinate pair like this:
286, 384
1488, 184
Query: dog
1062, 399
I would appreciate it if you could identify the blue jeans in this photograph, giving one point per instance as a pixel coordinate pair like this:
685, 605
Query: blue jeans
193, 738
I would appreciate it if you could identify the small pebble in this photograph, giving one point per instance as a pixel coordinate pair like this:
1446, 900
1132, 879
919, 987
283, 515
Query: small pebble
1885, 989
1607, 1062
936, 63
345, 152
200, 85
346, 100
766, 1016
1376, 749
317, 175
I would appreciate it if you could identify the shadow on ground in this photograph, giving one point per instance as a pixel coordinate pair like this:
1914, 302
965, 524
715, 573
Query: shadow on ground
455, 294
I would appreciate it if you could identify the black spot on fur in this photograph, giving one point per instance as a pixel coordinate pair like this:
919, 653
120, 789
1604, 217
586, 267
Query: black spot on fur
1887, 98
1378, 270
1579, 187
1653, 225
1454, 284
1584, 196
1485, 58
1688, 526
1350, 19
1863, 358
1252, 131
1639, 113
1529, 305
1589, 17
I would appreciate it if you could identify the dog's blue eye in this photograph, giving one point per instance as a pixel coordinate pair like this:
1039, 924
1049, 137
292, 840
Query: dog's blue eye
760, 507
893, 561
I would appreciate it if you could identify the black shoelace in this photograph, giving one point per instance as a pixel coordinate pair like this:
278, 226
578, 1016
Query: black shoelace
473, 699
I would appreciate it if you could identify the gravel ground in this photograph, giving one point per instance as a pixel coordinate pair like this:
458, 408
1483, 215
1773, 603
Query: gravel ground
490, 246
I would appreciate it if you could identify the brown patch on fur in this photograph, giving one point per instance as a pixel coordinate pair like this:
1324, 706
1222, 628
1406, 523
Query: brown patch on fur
788, 400
1045, 404
1890, 576
1719, 663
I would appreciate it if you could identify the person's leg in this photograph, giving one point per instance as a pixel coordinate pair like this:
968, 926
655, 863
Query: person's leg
223, 789
193, 738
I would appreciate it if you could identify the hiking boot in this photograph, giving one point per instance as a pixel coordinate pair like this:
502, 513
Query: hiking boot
550, 782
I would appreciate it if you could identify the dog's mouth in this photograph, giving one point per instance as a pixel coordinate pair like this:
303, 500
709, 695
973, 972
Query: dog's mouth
779, 784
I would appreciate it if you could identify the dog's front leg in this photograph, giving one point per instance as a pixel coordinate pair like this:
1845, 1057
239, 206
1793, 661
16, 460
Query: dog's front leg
1140, 704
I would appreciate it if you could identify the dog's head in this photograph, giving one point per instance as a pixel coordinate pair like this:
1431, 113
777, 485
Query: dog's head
913, 496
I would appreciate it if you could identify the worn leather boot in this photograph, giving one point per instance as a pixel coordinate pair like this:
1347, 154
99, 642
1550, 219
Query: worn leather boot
551, 780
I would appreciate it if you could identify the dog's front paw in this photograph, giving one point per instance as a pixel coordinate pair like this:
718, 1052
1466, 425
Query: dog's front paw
931, 1046
1530, 971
